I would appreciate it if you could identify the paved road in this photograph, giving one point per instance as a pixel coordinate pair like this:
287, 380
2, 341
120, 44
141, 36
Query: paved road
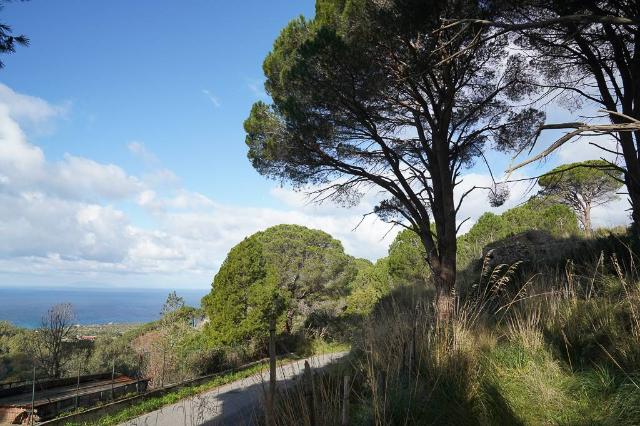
232, 404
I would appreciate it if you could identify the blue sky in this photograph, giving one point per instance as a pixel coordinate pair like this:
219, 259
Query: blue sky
137, 70
122, 156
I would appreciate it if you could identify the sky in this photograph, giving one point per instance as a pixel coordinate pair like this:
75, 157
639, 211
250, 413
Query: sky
122, 155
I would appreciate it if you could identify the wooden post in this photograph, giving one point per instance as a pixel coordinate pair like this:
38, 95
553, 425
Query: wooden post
345, 401
310, 391
113, 374
271, 393
164, 359
78, 384
139, 372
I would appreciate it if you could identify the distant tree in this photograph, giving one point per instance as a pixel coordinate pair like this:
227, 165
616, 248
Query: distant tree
582, 186
363, 96
228, 304
407, 260
172, 304
290, 266
541, 214
311, 267
109, 349
588, 50
48, 346
370, 285
8, 41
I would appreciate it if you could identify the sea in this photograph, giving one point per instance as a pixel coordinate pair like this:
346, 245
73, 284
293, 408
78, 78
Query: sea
25, 306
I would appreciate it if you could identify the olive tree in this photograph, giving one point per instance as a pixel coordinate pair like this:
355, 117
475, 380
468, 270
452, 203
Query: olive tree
362, 99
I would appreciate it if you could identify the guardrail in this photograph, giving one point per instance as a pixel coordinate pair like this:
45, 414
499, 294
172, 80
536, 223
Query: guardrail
95, 413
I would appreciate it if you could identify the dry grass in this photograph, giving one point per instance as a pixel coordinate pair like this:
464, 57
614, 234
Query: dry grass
559, 346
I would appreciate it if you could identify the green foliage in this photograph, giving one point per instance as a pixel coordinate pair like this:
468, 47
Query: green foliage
227, 306
309, 267
558, 220
350, 85
368, 287
404, 266
598, 331
565, 351
14, 362
286, 271
582, 186
108, 349
407, 260
592, 178
173, 303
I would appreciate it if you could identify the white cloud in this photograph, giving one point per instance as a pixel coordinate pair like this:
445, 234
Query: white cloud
590, 148
256, 86
17, 157
84, 178
158, 176
214, 99
612, 214
25, 108
63, 217
81, 218
140, 150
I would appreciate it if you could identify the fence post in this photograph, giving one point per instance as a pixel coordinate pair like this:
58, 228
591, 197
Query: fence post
78, 385
33, 395
113, 374
345, 401
164, 358
139, 373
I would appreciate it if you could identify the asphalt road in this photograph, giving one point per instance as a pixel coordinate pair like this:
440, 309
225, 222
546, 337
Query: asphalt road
233, 404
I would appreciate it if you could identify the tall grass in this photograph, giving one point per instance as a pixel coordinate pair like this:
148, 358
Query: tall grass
558, 345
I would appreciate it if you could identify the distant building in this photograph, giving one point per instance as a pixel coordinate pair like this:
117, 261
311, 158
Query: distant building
199, 322
86, 338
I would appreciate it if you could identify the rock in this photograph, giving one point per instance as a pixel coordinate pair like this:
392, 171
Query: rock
527, 246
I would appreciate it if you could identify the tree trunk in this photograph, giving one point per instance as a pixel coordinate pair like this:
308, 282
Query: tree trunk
632, 176
586, 219
634, 199
288, 324
444, 214
444, 282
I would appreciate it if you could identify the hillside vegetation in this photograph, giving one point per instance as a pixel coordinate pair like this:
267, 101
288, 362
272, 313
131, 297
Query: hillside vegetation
557, 345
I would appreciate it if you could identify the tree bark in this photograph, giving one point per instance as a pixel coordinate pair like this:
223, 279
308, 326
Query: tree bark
632, 175
586, 219
444, 282
288, 324
444, 214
